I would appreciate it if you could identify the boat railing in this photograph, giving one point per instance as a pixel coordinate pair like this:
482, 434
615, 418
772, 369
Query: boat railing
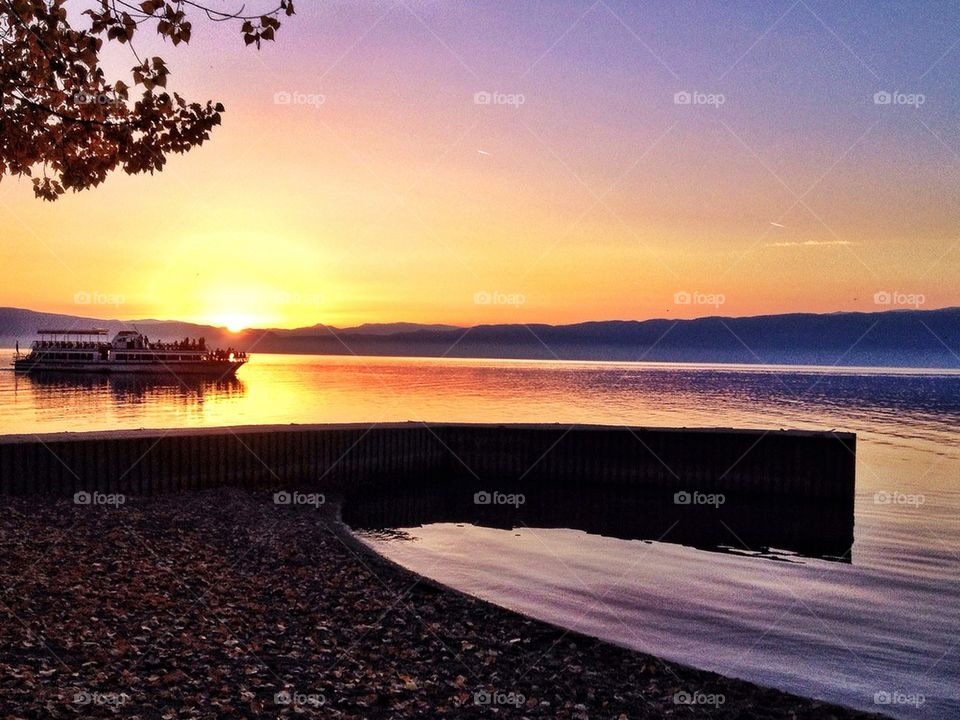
65, 345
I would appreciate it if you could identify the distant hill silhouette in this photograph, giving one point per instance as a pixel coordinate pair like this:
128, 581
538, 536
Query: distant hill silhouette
896, 338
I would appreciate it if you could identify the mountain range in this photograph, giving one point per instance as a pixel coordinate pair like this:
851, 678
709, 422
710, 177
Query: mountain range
892, 338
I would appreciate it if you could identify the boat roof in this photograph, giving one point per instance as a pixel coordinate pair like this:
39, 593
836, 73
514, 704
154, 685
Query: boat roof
89, 331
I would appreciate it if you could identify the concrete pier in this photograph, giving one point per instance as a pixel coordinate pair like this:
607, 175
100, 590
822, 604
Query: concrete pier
351, 457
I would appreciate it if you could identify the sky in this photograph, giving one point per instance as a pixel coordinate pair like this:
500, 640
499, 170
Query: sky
529, 161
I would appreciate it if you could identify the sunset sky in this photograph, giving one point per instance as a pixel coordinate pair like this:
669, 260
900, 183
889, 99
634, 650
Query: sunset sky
356, 177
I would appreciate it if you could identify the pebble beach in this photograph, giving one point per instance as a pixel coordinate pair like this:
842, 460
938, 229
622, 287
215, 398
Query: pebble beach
223, 604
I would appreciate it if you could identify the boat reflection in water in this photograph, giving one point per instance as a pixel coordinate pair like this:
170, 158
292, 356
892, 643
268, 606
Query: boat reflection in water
127, 388
775, 529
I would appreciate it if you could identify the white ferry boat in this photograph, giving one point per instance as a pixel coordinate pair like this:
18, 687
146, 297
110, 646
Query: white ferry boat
87, 351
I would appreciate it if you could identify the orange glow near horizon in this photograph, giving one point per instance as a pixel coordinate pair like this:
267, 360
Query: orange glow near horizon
236, 323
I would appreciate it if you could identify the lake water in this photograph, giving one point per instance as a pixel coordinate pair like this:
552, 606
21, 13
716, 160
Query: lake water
881, 623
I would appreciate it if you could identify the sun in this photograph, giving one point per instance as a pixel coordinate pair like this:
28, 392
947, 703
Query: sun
235, 322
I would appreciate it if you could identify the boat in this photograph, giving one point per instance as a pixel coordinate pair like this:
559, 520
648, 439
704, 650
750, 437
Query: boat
87, 351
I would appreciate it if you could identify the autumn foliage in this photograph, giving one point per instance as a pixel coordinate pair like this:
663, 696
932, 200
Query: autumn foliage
67, 125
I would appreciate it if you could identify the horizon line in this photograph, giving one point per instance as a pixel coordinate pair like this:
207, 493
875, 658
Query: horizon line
453, 326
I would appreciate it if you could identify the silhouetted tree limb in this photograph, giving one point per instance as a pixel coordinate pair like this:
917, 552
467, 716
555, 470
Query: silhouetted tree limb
65, 124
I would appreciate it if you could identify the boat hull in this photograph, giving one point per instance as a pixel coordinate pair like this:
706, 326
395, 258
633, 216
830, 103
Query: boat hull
207, 368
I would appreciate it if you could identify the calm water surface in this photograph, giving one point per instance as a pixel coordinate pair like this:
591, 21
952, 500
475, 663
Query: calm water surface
883, 624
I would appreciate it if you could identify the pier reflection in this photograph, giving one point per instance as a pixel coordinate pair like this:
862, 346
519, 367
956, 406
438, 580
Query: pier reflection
771, 529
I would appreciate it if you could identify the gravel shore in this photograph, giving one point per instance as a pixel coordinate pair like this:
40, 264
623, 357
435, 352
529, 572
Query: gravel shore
222, 604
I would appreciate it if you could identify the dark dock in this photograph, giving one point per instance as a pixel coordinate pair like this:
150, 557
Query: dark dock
758, 464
